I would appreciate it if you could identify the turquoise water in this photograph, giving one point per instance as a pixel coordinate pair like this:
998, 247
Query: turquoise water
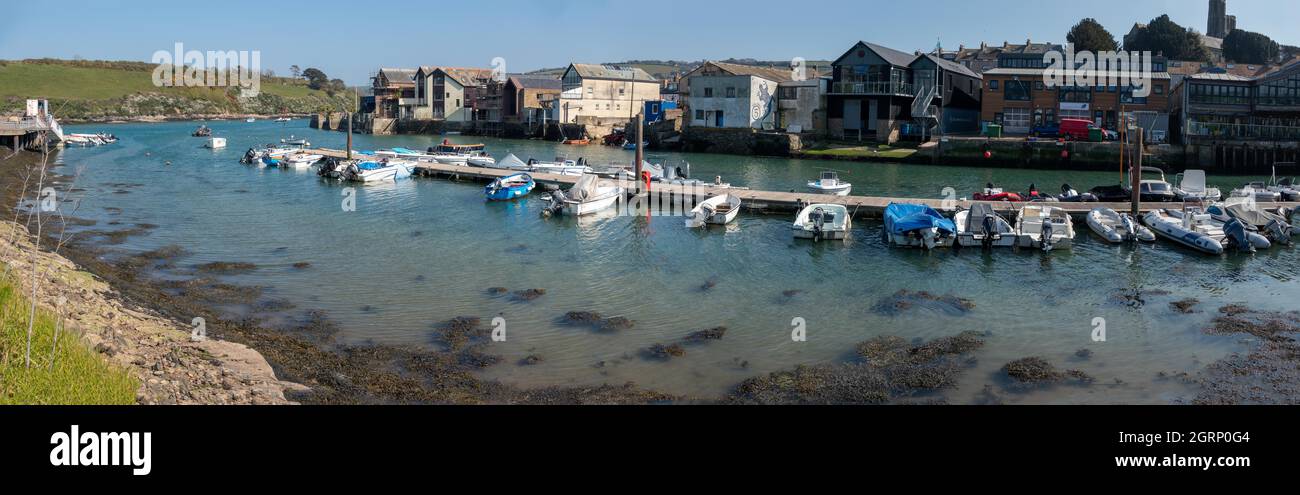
418, 252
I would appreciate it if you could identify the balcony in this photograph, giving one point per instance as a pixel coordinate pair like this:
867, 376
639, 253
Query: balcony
406, 102
1242, 131
873, 88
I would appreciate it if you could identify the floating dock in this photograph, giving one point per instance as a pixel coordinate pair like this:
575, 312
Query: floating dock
777, 201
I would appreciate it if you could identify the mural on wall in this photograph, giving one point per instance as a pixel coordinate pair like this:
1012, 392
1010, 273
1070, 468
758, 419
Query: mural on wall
763, 108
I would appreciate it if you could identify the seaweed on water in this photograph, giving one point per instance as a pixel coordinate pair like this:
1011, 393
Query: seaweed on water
226, 267
905, 300
529, 295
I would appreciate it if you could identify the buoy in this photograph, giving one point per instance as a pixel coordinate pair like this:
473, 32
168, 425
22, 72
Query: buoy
988, 154
1065, 153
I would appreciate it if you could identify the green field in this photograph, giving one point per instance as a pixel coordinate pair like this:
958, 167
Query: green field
72, 373
100, 89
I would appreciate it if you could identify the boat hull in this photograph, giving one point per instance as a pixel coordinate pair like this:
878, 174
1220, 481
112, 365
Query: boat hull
1174, 232
604, 202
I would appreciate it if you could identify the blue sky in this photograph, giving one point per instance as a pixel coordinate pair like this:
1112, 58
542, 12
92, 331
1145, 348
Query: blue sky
350, 39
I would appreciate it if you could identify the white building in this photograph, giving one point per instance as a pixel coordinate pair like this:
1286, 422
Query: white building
720, 94
594, 93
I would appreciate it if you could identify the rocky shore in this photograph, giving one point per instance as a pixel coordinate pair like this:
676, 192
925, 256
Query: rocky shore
170, 367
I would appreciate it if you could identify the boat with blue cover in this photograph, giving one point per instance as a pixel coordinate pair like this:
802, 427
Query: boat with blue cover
509, 187
921, 226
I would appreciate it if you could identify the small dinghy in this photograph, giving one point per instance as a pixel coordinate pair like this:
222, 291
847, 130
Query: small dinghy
631, 145
300, 161
274, 157
1257, 190
377, 171
295, 141
1192, 188
558, 167
909, 225
830, 183
994, 193
822, 222
587, 196
405, 154
509, 187
1274, 227
481, 159
1116, 227
1044, 227
718, 210
981, 226
1198, 230
202, 131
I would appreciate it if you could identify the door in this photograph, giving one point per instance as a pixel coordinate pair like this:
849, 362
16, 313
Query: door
718, 117
852, 115
872, 111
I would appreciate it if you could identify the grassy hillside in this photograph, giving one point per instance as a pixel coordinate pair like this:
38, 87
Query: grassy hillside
76, 375
92, 90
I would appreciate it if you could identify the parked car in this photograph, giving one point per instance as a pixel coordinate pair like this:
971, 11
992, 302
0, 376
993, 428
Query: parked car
1046, 130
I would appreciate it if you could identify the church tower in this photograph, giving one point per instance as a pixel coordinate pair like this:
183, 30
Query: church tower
1218, 25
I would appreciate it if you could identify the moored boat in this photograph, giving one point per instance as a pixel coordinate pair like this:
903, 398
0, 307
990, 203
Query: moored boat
300, 161
1274, 227
202, 131
1192, 187
829, 183
910, 225
994, 193
509, 187
822, 222
215, 143
718, 210
982, 226
1191, 229
1044, 227
559, 167
587, 196
377, 171
1117, 227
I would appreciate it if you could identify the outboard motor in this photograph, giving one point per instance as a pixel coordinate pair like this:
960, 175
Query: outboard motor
1279, 231
1047, 234
556, 203
818, 218
249, 157
1130, 229
1236, 237
991, 233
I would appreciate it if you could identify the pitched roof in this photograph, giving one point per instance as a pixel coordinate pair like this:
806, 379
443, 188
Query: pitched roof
536, 82
467, 76
769, 73
614, 72
398, 76
951, 66
890, 55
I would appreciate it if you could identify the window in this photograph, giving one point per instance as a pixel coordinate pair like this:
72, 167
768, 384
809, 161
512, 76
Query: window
708, 92
731, 92
590, 91
787, 93
1017, 119
458, 102
699, 115
1038, 86
1158, 89
621, 90
993, 85
1017, 91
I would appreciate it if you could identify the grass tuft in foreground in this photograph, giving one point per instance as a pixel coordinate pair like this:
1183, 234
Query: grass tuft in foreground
72, 374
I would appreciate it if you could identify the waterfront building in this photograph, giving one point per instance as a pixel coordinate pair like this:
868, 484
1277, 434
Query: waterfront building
448, 93
729, 95
876, 90
1019, 97
801, 105
592, 94
523, 95
394, 91
1219, 105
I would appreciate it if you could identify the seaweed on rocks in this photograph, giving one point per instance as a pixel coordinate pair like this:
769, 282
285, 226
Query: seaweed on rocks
706, 335
905, 300
301, 265
1037, 370
1185, 306
892, 370
1135, 298
226, 267
497, 291
529, 295
665, 351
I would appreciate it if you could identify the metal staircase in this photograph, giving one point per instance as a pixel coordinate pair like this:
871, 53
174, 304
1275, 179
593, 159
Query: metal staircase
922, 107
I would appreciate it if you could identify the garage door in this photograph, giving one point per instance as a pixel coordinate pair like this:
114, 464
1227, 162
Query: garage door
1016, 120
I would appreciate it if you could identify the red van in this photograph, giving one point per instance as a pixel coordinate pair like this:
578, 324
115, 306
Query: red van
1076, 129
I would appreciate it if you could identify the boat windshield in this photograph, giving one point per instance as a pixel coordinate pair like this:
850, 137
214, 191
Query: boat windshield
828, 175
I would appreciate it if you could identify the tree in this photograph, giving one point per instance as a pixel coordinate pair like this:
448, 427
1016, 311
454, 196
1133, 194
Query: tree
335, 86
1090, 35
1246, 47
1164, 36
316, 79
296, 71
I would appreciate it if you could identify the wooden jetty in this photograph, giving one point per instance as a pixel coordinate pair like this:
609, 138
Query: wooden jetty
776, 201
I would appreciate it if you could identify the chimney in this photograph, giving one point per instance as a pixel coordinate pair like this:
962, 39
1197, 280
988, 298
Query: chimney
961, 47
984, 45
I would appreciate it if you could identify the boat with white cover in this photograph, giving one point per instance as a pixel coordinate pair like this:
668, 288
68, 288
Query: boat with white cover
1116, 227
718, 210
982, 226
1044, 227
822, 222
589, 195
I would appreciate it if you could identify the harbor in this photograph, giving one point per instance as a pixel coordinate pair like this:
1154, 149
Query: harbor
391, 276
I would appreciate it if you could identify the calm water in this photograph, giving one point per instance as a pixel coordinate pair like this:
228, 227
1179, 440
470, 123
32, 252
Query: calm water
418, 252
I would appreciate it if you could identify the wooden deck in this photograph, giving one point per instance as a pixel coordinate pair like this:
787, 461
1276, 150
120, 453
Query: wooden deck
777, 201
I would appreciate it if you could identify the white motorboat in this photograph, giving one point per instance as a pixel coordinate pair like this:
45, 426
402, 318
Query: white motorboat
481, 160
566, 167
1257, 190
1192, 187
283, 119
822, 222
383, 170
587, 196
301, 161
1193, 229
830, 183
405, 154
1116, 227
295, 141
1285, 186
250, 120
215, 143
1044, 227
718, 210
982, 226
456, 154
1273, 226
